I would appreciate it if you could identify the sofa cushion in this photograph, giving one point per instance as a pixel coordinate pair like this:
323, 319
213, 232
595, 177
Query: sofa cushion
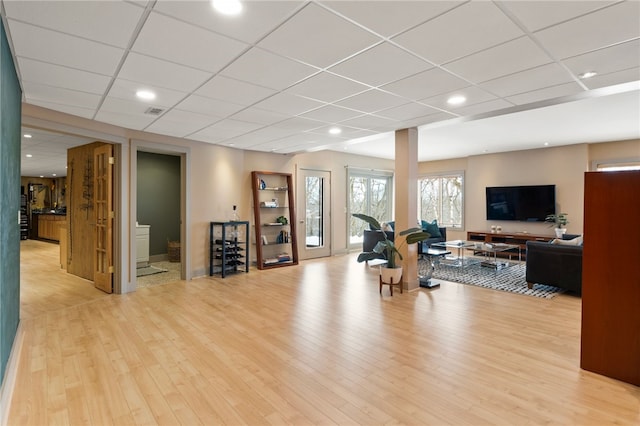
432, 228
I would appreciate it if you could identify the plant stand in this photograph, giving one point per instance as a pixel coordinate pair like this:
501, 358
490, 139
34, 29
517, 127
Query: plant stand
390, 284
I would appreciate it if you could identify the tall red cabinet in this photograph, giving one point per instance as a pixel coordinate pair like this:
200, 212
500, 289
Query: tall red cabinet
610, 342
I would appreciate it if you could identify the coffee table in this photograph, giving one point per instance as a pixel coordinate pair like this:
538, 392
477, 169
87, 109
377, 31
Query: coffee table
458, 259
489, 249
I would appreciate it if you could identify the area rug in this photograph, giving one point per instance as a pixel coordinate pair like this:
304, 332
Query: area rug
511, 279
149, 270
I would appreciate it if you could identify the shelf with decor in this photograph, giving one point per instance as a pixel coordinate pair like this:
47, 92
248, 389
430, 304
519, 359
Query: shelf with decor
228, 248
274, 219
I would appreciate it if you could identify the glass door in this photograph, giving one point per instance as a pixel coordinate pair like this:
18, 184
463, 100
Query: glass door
314, 231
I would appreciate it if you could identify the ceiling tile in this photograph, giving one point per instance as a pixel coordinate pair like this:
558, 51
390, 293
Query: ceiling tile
35, 91
467, 29
128, 106
61, 49
331, 114
266, 69
507, 58
483, 107
615, 58
426, 84
407, 111
547, 93
69, 109
531, 79
306, 35
538, 14
299, 124
235, 91
258, 17
327, 87
599, 29
260, 116
123, 119
203, 105
66, 78
610, 79
381, 64
223, 130
369, 121
125, 89
109, 22
180, 123
388, 18
285, 103
166, 38
371, 101
428, 119
161, 73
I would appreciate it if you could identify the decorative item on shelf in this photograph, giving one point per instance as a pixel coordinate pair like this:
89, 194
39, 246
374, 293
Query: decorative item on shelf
282, 220
498, 229
264, 240
272, 204
559, 222
262, 184
388, 247
493, 229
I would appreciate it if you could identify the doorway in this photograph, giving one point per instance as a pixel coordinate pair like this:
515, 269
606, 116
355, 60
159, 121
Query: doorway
158, 218
314, 232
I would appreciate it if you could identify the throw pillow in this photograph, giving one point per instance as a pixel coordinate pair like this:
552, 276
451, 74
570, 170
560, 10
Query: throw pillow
432, 228
574, 242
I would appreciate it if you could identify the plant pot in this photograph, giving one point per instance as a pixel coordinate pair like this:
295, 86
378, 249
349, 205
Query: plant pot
388, 273
560, 232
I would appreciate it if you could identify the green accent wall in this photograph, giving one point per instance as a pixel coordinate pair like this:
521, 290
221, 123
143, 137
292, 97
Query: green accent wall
10, 123
158, 203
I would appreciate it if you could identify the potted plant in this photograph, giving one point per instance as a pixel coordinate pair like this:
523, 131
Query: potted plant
389, 249
559, 221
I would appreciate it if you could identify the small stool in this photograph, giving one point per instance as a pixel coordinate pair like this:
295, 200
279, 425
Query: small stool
391, 284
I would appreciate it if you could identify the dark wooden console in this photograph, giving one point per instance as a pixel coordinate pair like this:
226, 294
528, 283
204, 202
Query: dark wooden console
518, 238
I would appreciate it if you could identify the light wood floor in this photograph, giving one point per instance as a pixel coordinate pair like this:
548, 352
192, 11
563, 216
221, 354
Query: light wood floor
308, 344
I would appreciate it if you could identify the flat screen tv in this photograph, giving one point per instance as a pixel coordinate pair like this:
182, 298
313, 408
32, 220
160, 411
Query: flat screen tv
530, 203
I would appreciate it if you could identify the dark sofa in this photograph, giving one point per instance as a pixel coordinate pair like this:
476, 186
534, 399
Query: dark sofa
371, 238
554, 264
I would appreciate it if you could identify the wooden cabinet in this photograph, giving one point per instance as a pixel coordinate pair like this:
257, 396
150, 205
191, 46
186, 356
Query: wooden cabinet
274, 219
49, 226
610, 343
519, 238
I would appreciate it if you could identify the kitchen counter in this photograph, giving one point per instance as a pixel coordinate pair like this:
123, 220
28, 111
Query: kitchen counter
46, 225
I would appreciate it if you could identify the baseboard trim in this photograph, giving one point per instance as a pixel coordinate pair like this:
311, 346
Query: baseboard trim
9, 382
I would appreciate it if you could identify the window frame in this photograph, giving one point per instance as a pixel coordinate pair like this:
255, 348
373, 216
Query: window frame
441, 175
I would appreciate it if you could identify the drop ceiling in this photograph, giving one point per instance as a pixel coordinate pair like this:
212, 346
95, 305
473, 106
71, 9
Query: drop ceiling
278, 76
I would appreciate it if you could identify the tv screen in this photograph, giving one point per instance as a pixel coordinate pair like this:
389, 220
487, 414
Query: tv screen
530, 203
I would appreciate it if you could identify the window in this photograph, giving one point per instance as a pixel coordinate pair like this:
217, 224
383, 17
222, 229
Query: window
441, 197
370, 193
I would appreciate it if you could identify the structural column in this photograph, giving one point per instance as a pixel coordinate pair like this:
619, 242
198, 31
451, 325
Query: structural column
406, 201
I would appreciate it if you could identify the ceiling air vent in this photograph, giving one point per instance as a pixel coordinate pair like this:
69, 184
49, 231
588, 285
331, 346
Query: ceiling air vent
154, 111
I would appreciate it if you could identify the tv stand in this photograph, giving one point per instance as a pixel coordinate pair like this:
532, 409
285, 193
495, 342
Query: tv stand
518, 238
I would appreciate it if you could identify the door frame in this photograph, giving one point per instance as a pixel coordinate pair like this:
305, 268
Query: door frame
303, 252
185, 159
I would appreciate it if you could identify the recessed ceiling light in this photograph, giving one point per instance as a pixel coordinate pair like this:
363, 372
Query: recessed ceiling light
27, 135
147, 95
54, 174
335, 130
227, 7
456, 100
546, 144
41, 176
588, 74
28, 155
